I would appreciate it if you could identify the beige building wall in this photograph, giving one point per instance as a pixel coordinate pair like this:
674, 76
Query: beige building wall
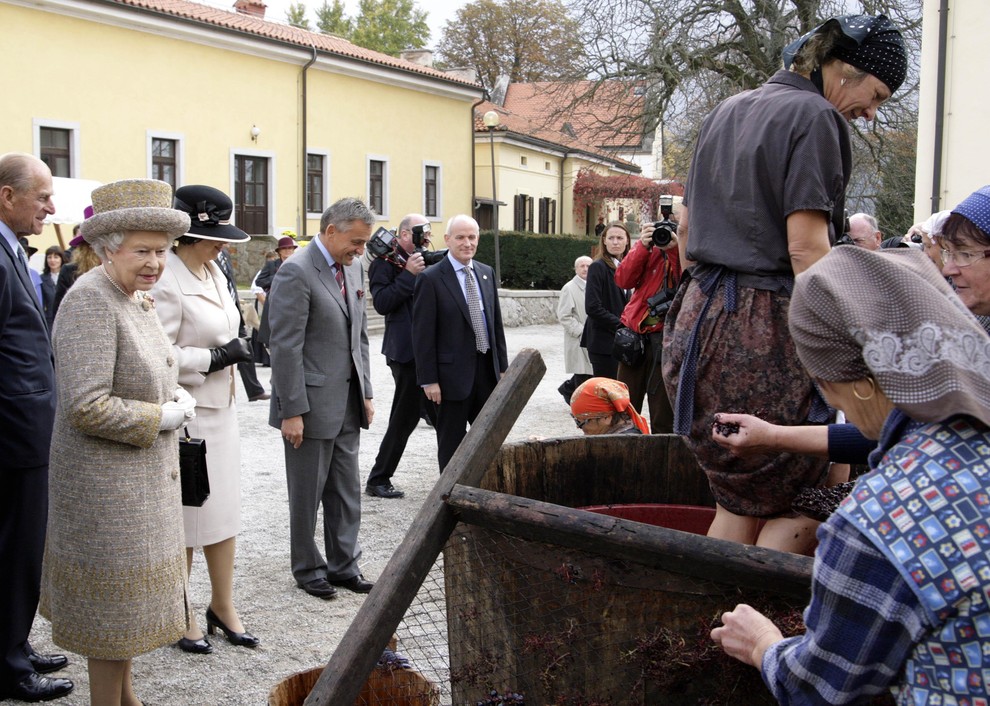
116, 77
966, 141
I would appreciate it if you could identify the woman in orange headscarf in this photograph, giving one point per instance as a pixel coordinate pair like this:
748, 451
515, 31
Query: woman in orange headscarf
602, 406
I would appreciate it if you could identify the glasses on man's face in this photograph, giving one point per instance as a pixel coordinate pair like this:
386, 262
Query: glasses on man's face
962, 258
580, 423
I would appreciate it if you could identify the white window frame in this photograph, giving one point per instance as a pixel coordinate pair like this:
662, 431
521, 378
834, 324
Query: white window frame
180, 153
386, 171
75, 159
326, 181
439, 167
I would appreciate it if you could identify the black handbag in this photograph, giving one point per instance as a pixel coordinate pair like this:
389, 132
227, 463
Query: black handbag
627, 347
192, 466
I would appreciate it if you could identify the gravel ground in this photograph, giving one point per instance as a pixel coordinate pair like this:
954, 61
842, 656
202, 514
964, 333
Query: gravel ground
298, 631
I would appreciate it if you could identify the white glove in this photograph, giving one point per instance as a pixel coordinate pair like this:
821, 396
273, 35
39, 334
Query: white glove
186, 401
173, 416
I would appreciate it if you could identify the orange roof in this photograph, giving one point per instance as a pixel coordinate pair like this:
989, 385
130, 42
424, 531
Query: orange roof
521, 125
612, 119
240, 22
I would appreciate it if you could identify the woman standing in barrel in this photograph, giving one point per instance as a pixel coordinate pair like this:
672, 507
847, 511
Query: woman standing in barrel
763, 201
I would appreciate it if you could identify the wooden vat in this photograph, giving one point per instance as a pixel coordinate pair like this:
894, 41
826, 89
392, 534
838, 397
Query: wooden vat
398, 687
572, 607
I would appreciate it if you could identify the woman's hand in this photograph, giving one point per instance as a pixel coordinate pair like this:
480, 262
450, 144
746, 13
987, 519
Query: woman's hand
746, 634
755, 436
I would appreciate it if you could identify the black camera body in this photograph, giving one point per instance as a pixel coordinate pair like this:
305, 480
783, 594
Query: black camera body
384, 244
659, 303
663, 233
844, 239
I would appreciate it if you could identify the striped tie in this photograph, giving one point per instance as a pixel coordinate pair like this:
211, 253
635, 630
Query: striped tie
474, 308
338, 275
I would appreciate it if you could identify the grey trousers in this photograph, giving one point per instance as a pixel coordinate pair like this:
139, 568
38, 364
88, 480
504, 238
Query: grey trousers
325, 472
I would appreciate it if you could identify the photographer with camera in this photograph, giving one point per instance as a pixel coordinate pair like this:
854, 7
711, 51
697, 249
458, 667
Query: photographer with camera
391, 277
652, 268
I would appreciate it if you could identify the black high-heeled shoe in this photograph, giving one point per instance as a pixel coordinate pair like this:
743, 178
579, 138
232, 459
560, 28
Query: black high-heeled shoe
241, 639
198, 647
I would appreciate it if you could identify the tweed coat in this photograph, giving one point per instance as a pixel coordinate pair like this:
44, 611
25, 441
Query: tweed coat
571, 315
114, 576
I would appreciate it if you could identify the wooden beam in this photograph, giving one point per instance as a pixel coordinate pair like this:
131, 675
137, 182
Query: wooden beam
395, 589
684, 553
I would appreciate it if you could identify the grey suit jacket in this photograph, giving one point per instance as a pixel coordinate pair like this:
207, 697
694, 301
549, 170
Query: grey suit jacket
317, 343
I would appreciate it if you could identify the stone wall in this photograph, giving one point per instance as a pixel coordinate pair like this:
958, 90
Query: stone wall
522, 307
248, 258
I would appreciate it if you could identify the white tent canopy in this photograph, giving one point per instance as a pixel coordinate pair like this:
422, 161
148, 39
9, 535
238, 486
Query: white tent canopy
71, 197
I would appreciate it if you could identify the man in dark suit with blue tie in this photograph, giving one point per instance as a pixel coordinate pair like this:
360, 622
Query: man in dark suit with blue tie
27, 413
458, 339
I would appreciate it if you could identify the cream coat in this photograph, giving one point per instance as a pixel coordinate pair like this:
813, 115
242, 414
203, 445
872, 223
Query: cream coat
571, 315
114, 574
197, 316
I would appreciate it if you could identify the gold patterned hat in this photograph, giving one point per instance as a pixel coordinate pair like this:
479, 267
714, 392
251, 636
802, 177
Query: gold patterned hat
133, 204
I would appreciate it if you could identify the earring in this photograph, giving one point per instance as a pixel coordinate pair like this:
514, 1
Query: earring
873, 391
842, 82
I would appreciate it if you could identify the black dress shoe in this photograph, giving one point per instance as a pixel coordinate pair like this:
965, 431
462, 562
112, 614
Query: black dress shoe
43, 664
320, 588
358, 584
262, 396
241, 639
201, 646
35, 688
384, 491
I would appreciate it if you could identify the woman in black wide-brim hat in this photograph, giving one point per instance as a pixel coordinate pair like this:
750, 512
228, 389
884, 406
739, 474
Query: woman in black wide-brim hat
202, 320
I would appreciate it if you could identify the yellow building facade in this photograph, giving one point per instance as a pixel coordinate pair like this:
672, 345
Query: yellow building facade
286, 121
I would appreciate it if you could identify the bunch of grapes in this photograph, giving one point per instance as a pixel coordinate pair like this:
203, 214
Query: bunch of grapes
509, 698
726, 429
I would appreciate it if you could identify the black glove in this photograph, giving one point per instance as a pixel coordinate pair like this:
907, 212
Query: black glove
236, 350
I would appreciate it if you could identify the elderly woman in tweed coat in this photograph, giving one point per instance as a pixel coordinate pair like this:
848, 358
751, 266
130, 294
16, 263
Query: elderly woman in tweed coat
113, 578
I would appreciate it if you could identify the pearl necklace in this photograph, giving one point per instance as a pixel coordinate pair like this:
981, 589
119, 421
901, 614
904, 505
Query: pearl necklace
114, 283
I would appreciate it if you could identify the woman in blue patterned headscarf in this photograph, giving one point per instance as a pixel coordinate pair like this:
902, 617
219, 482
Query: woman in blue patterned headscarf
902, 570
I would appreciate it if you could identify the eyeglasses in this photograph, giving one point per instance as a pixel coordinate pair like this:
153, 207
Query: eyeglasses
962, 258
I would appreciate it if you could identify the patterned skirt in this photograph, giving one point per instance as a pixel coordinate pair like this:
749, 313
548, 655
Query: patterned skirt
746, 363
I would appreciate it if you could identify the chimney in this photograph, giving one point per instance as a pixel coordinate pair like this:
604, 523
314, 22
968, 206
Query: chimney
421, 57
463, 73
254, 8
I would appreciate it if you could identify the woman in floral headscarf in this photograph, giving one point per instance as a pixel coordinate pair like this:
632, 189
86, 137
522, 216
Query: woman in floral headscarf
602, 406
902, 569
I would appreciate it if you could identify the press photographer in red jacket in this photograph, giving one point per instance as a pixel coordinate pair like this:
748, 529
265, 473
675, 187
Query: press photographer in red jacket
653, 271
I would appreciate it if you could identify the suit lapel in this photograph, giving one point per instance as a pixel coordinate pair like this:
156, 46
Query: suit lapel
22, 275
325, 275
448, 275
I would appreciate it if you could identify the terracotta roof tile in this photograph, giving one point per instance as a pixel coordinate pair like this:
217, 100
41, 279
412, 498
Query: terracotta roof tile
602, 121
229, 19
522, 125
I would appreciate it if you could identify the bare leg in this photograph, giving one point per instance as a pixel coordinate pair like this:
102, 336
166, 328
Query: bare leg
110, 683
736, 528
789, 534
220, 564
192, 632
837, 473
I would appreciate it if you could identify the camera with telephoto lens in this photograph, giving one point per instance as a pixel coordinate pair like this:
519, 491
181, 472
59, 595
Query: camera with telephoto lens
660, 302
385, 245
845, 238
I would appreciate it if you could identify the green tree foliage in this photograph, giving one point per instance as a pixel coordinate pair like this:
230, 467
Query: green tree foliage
295, 15
389, 26
526, 40
330, 19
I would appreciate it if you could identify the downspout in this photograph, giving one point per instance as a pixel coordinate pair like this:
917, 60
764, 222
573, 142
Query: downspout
301, 230
474, 186
943, 29
560, 196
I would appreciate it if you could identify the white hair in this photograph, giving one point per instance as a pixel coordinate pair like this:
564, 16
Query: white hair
457, 219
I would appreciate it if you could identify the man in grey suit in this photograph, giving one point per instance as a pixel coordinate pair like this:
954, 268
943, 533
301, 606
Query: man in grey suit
321, 395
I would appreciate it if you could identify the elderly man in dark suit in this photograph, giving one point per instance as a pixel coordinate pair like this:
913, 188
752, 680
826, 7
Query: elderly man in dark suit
321, 395
27, 413
458, 339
